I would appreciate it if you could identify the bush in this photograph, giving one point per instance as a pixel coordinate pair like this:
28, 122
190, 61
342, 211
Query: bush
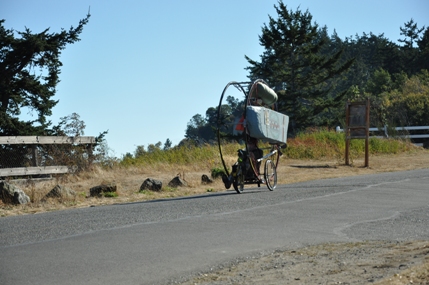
217, 172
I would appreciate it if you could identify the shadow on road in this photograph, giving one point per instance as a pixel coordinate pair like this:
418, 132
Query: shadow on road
208, 195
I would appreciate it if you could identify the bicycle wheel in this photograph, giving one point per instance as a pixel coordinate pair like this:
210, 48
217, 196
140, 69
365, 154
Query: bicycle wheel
238, 182
270, 174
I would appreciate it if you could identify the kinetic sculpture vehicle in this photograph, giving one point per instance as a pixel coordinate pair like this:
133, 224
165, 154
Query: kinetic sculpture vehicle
260, 121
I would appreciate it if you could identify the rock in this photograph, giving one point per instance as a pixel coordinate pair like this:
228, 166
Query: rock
97, 191
206, 180
177, 182
60, 191
151, 184
11, 194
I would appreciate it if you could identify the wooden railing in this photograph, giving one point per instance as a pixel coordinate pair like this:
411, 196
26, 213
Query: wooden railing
34, 141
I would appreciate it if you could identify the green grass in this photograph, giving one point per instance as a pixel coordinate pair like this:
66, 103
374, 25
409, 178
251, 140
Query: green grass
329, 144
110, 194
313, 144
146, 192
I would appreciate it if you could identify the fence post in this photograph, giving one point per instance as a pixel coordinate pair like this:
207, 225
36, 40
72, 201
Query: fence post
35, 155
90, 153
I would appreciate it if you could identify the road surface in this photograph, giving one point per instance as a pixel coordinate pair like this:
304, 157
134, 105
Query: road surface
164, 241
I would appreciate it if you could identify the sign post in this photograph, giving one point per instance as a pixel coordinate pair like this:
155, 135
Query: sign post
357, 126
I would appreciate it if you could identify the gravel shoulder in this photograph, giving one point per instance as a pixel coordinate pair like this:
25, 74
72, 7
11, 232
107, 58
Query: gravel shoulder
371, 262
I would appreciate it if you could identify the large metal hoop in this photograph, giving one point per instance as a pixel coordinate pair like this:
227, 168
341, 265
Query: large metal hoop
239, 86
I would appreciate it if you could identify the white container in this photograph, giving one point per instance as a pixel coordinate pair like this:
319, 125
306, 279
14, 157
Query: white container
266, 124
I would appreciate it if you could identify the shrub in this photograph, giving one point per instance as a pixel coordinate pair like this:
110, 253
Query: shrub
217, 172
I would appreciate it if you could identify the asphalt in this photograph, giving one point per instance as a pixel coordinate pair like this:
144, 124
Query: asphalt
165, 241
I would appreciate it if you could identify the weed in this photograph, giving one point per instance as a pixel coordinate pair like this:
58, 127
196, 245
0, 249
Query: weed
217, 172
146, 192
169, 189
110, 194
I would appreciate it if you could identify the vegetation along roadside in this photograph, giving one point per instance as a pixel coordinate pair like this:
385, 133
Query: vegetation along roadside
315, 154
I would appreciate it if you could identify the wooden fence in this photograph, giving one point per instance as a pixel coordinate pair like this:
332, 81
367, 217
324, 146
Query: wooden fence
34, 141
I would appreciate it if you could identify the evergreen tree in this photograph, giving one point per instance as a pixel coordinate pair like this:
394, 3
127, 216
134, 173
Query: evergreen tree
196, 126
167, 144
151, 148
296, 65
140, 151
411, 33
371, 53
410, 52
29, 73
423, 44
203, 129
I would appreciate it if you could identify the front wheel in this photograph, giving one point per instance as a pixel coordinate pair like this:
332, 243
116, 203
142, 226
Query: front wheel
270, 174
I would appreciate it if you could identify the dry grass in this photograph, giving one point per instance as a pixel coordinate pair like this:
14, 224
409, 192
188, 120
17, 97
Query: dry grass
129, 179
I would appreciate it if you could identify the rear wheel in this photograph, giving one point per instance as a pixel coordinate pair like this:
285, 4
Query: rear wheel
270, 174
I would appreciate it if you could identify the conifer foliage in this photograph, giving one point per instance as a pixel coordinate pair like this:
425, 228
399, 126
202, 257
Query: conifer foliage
29, 73
296, 64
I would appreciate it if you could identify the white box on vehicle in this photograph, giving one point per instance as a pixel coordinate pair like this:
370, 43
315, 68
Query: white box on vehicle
267, 124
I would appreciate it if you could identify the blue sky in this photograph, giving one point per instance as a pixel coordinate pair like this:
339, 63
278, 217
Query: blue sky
143, 68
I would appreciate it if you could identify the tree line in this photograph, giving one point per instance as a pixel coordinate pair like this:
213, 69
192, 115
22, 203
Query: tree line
312, 72
315, 74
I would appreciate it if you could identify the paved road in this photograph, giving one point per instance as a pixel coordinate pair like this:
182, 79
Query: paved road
160, 241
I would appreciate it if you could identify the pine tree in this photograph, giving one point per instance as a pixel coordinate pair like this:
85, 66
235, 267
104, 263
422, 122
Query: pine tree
423, 44
296, 65
410, 52
167, 144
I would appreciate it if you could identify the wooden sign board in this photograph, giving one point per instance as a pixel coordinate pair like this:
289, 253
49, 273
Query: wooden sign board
357, 121
357, 126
